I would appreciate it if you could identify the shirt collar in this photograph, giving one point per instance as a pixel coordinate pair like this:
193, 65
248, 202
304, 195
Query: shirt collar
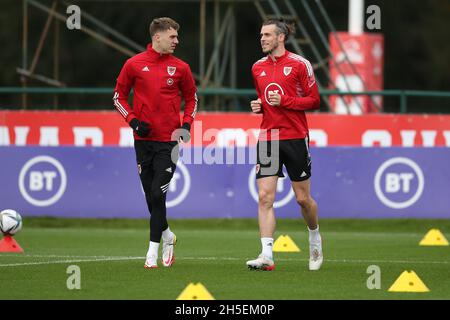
279, 58
154, 54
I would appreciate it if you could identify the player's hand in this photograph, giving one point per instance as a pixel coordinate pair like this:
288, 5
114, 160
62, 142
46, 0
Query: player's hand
274, 99
182, 134
141, 128
256, 106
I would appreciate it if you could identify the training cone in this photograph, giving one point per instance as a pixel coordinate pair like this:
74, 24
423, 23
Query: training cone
8, 244
408, 282
284, 243
434, 237
195, 292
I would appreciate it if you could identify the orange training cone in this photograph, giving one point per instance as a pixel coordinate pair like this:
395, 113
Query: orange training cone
8, 244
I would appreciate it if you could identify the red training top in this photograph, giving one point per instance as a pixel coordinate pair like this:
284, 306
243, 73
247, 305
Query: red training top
157, 80
291, 76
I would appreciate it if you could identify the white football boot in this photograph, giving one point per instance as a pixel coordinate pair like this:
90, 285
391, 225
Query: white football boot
261, 263
168, 256
315, 256
151, 262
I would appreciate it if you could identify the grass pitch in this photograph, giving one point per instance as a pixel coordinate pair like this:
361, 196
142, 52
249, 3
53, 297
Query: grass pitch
110, 255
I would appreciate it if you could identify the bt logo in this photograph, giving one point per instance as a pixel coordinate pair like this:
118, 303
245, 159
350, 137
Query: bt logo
399, 183
272, 88
283, 190
42, 181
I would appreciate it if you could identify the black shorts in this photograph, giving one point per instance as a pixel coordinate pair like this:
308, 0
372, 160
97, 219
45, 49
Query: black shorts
156, 162
293, 154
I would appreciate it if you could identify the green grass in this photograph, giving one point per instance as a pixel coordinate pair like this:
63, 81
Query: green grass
110, 254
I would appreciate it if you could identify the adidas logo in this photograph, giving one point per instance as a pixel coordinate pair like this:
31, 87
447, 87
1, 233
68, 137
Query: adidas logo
169, 169
145, 69
303, 174
262, 74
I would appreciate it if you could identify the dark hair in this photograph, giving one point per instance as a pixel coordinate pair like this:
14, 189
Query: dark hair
162, 24
282, 26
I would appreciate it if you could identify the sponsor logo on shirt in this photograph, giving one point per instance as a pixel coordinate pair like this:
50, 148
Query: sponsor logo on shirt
272, 87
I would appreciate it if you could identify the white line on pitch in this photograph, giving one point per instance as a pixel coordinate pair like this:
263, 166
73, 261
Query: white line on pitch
15, 255
103, 258
325, 259
68, 261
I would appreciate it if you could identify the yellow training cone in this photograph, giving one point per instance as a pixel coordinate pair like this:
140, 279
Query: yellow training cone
284, 243
408, 282
434, 237
195, 292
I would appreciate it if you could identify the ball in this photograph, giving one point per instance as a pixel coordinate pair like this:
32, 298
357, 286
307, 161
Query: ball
10, 222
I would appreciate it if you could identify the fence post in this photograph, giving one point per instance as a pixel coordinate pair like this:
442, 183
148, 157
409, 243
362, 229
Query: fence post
403, 102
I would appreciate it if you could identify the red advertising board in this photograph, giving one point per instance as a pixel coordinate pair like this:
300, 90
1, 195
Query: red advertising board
357, 66
107, 128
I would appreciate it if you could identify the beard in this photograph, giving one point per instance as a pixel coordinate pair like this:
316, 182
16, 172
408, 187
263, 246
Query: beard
270, 50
